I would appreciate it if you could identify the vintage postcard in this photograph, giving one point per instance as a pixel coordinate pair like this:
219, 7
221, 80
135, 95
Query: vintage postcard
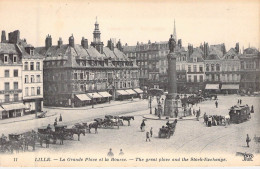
129, 83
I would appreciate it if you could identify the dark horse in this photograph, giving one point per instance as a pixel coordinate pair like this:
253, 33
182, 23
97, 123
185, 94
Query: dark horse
127, 118
71, 131
93, 125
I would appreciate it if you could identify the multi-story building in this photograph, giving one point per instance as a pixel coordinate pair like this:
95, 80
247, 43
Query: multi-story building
250, 70
195, 71
76, 75
230, 72
14, 53
32, 78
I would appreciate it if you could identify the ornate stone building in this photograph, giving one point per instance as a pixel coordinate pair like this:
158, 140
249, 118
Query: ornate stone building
77, 75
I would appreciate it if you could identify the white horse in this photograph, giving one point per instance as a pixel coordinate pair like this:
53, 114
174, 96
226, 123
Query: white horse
227, 119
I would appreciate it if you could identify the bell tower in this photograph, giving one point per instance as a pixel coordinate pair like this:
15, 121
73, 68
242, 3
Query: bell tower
96, 38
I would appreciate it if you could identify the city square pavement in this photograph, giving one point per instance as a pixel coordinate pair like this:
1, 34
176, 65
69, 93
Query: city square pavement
191, 136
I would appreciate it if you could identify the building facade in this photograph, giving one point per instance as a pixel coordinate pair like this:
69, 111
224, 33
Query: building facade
78, 75
13, 54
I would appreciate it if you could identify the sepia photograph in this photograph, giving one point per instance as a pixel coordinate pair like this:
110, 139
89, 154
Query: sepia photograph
129, 83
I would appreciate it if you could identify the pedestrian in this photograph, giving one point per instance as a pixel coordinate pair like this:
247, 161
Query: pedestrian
110, 153
47, 140
252, 109
151, 132
147, 136
194, 112
55, 123
56, 119
60, 118
240, 101
216, 103
61, 137
155, 111
49, 127
247, 140
121, 152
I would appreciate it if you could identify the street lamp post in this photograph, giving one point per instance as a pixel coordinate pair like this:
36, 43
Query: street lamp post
92, 100
150, 101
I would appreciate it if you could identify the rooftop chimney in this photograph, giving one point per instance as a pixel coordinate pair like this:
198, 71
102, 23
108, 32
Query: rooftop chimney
48, 42
60, 42
14, 36
110, 44
3, 37
71, 41
84, 43
119, 45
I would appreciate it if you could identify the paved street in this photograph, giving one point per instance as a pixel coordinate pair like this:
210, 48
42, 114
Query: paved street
190, 136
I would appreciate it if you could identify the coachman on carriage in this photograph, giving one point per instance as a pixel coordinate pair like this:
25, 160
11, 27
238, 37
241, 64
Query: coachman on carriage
239, 114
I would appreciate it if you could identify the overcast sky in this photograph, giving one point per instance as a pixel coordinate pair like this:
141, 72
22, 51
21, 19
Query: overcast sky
131, 21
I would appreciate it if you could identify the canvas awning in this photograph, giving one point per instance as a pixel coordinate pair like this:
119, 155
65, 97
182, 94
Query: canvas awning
1, 109
130, 91
15, 106
230, 86
137, 90
94, 95
83, 97
122, 92
104, 94
212, 86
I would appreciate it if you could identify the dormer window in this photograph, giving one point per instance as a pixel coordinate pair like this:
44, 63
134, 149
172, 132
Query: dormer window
5, 58
195, 59
31, 52
14, 59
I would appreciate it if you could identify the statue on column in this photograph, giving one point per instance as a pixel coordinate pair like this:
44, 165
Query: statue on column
172, 44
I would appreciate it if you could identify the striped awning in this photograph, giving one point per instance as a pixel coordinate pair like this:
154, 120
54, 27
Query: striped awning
15, 106
230, 86
130, 91
104, 94
94, 95
137, 90
212, 86
83, 97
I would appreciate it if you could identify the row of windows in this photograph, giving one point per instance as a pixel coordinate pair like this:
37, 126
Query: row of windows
32, 79
195, 68
15, 73
12, 58
213, 67
195, 78
38, 91
26, 66
7, 86
8, 99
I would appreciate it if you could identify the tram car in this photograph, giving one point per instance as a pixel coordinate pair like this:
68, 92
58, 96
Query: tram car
239, 114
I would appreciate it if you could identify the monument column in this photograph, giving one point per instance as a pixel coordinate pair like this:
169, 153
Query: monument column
171, 104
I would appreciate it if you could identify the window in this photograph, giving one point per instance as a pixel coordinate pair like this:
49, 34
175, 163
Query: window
16, 97
189, 78
82, 88
207, 67
31, 52
81, 76
7, 98
26, 91
6, 59
201, 68
75, 76
26, 79
32, 78
195, 78
26, 66
31, 66
14, 59
194, 68
6, 73
38, 91
38, 78
7, 86
15, 85
32, 91
201, 78
218, 67
189, 68
38, 67
212, 67
15, 73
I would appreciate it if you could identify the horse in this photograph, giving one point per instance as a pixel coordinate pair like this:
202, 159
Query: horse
93, 125
227, 119
127, 118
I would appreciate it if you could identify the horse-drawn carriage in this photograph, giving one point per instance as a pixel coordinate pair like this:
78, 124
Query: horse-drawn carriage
239, 114
167, 132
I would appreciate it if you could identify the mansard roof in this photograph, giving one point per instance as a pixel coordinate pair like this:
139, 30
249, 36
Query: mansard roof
197, 53
8, 48
231, 54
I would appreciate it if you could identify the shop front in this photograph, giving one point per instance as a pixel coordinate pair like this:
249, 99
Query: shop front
121, 95
95, 97
82, 100
230, 88
12, 110
139, 93
106, 97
